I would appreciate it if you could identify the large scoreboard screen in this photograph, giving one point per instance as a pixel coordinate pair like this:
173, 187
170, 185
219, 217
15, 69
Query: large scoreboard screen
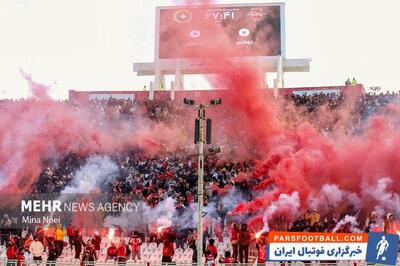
204, 31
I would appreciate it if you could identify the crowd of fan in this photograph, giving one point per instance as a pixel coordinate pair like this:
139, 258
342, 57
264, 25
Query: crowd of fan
150, 179
364, 105
53, 242
153, 179
50, 244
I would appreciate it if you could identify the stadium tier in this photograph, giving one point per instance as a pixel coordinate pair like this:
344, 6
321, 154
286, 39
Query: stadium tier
210, 94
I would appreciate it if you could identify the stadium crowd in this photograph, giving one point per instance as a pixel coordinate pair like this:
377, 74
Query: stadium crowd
69, 244
153, 179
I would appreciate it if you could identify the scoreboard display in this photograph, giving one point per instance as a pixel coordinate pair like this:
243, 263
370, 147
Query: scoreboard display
238, 30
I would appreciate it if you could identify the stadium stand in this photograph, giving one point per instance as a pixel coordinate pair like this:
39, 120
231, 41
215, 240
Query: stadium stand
183, 189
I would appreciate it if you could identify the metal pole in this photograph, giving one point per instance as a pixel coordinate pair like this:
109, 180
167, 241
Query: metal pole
200, 188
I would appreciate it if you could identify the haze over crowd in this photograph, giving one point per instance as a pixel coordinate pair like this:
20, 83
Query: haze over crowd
91, 45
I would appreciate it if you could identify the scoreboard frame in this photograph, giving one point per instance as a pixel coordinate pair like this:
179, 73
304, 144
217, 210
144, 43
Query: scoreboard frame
282, 27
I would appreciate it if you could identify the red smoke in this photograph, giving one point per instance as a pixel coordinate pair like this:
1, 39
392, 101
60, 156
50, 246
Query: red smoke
34, 131
297, 156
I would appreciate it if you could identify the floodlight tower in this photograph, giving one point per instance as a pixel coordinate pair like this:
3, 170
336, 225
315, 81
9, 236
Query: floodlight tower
200, 140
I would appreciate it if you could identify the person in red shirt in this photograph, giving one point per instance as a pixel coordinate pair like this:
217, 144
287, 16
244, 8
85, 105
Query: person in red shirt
210, 260
189, 197
261, 247
168, 251
244, 243
20, 257
112, 252
227, 258
121, 253
212, 248
96, 241
11, 251
135, 242
235, 241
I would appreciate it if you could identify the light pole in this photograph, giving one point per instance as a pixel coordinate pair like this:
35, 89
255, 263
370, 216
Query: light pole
199, 139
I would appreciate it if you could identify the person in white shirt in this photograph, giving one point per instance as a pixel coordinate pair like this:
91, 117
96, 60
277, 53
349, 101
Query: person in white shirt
36, 249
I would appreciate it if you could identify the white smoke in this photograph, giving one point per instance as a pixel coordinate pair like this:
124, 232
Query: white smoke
330, 196
126, 220
231, 199
163, 214
348, 219
164, 210
2, 179
387, 201
96, 172
288, 204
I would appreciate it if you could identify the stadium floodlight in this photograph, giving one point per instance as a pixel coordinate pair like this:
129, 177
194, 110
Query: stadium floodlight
201, 138
216, 101
188, 101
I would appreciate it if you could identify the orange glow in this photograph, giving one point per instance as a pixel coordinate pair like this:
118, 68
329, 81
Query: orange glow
111, 233
160, 228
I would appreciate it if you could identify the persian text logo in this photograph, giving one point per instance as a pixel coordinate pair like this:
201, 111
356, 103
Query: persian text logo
183, 16
256, 13
285, 246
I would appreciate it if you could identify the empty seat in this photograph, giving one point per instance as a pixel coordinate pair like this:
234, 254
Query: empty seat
148, 251
188, 251
176, 257
178, 251
153, 245
145, 257
187, 257
155, 258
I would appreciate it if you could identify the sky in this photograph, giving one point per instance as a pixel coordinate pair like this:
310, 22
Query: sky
92, 44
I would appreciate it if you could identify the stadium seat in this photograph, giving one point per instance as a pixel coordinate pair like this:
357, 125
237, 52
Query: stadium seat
178, 251
158, 249
153, 245
187, 258
188, 251
149, 251
176, 258
155, 258
145, 257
